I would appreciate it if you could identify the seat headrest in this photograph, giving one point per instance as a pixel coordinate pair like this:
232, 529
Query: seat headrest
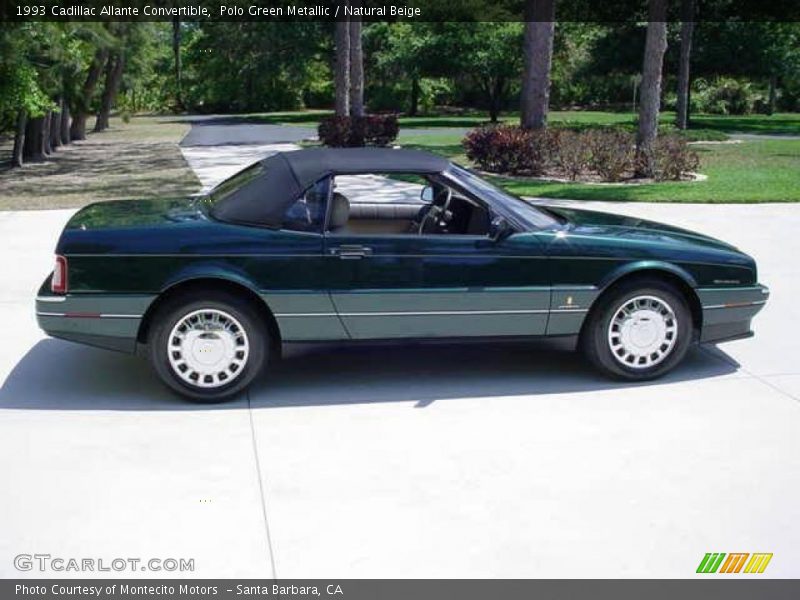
340, 211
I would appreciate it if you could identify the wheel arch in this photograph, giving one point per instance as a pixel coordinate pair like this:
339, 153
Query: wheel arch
666, 272
205, 283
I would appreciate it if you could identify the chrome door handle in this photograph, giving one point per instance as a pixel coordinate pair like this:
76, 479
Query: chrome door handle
354, 252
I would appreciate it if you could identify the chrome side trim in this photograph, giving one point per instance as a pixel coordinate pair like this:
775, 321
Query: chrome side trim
445, 313
437, 313
51, 298
733, 305
320, 314
80, 316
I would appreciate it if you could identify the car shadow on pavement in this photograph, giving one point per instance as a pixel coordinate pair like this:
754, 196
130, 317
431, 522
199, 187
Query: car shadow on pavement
56, 375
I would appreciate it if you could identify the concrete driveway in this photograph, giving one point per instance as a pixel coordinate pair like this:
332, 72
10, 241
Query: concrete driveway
218, 146
487, 460
421, 461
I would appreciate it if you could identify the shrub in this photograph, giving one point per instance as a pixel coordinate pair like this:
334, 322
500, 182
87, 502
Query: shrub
334, 131
609, 152
612, 153
673, 158
725, 96
508, 149
571, 151
380, 130
369, 130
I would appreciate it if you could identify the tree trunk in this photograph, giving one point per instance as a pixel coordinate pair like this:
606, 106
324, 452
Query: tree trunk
19, 139
538, 55
55, 126
650, 97
84, 100
176, 52
495, 97
414, 96
687, 30
33, 148
342, 74
65, 121
114, 68
356, 68
773, 94
46, 134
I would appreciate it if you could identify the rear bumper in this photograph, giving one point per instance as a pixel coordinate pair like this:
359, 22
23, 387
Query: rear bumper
727, 312
108, 321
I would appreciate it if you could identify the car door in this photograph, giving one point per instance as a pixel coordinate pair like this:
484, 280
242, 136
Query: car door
417, 286
293, 275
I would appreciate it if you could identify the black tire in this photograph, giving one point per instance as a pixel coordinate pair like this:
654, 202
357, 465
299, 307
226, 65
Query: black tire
596, 342
243, 313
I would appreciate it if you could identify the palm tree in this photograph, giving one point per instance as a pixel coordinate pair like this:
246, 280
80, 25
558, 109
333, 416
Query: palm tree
687, 29
538, 55
356, 67
176, 53
342, 68
650, 97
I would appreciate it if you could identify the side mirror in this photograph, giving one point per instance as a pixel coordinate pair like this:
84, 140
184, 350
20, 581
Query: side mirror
499, 229
426, 195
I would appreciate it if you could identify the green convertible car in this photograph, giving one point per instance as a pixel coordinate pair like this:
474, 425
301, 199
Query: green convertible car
368, 244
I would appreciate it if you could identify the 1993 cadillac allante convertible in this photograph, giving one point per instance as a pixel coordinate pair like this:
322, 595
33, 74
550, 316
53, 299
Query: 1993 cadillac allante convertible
369, 244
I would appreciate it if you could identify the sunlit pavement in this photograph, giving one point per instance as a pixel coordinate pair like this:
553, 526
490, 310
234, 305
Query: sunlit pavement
420, 461
213, 164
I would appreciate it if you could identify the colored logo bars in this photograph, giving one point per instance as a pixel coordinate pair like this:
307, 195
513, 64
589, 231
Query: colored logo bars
716, 562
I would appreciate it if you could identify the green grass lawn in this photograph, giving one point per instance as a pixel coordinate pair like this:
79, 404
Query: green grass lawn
702, 125
752, 171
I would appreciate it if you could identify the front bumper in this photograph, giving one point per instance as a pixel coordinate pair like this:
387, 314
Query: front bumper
108, 321
727, 312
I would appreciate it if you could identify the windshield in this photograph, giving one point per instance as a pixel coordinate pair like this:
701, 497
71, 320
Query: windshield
531, 215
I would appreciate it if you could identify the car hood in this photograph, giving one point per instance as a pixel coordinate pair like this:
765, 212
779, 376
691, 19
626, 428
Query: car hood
595, 223
150, 212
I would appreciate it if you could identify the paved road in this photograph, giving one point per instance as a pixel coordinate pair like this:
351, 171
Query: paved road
423, 461
227, 130
764, 136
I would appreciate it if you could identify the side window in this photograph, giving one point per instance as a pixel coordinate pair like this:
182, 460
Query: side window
308, 211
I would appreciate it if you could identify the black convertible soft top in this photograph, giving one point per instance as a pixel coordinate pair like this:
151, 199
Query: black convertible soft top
280, 179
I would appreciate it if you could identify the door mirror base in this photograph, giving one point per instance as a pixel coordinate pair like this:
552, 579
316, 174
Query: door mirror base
499, 229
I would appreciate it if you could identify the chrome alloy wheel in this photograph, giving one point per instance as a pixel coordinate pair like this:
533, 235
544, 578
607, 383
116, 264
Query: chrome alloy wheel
642, 332
208, 348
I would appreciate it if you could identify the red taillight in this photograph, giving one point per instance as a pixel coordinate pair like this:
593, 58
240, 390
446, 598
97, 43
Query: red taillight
59, 283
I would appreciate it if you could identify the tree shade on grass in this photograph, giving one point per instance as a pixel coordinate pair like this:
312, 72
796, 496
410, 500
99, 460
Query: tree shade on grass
140, 159
777, 124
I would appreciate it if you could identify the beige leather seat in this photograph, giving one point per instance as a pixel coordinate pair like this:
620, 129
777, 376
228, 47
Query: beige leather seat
340, 213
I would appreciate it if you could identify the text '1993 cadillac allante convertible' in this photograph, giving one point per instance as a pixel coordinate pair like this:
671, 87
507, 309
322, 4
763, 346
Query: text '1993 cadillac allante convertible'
375, 244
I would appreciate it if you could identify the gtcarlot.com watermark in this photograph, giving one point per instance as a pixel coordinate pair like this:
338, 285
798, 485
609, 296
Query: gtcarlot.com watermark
58, 564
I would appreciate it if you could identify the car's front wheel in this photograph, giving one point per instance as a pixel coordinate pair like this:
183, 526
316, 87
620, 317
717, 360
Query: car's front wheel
210, 349
639, 331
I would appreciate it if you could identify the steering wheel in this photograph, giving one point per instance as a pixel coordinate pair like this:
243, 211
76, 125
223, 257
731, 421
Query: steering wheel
437, 215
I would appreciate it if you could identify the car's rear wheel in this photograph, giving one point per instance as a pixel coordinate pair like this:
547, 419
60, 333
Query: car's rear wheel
208, 350
640, 330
